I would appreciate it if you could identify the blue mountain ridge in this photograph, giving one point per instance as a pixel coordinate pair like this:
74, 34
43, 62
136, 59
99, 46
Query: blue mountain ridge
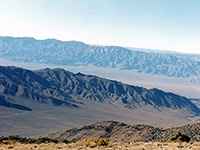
73, 53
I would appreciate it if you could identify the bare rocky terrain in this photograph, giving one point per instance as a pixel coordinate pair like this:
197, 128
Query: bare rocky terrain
60, 87
37, 102
121, 132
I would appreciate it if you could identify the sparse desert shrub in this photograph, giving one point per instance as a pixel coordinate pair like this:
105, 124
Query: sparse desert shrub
30, 141
24, 140
103, 142
179, 137
87, 140
65, 141
8, 142
3, 139
46, 140
96, 140
14, 138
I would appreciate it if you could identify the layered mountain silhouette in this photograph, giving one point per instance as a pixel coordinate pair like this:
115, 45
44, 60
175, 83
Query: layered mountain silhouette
72, 53
121, 132
40, 101
60, 87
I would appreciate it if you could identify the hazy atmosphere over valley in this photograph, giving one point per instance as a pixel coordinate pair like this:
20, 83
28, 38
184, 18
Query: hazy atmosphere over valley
116, 69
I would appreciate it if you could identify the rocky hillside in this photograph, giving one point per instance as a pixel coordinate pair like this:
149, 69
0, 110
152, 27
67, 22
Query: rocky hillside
74, 53
26, 84
121, 132
60, 87
38, 102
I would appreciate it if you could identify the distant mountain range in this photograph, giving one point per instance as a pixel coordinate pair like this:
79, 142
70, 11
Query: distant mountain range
121, 132
74, 53
65, 99
35, 102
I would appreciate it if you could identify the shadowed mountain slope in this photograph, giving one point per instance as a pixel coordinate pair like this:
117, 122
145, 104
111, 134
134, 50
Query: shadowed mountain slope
29, 85
88, 87
4, 102
121, 132
60, 99
61, 87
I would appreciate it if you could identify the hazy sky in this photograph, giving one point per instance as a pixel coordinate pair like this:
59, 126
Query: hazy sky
155, 24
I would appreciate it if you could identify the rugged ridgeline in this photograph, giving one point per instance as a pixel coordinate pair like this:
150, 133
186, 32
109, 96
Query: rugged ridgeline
60, 87
74, 53
121, 132
40, 101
